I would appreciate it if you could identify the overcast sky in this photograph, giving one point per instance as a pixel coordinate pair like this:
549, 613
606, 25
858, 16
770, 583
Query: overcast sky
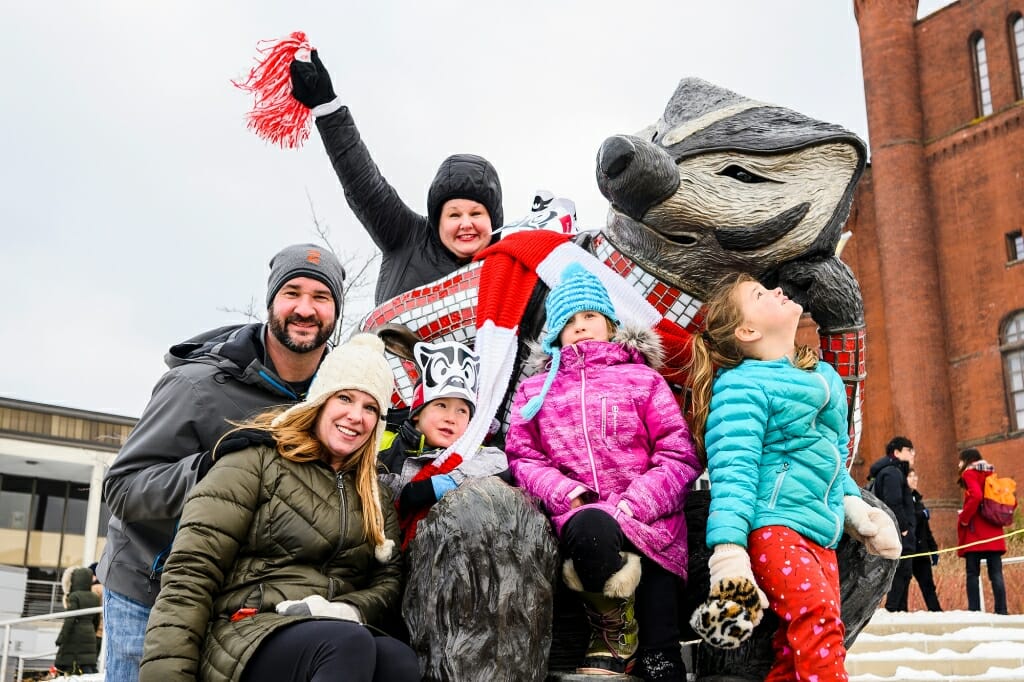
136, 205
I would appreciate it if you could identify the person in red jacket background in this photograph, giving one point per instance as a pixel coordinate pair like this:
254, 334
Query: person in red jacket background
971, 527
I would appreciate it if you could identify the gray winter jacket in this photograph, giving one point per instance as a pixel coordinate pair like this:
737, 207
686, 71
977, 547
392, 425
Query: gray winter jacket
411, 248
212, 378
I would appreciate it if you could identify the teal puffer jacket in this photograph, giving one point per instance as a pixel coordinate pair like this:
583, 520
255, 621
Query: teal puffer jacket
777, 441
260, 529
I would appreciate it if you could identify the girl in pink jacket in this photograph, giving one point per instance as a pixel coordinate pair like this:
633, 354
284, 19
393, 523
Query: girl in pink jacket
601, 441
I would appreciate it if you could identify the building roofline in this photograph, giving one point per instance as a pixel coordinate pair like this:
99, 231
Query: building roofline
44, 408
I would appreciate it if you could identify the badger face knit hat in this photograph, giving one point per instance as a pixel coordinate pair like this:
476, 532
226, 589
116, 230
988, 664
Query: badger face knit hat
448, 369
577, 290
306, 260
358, 365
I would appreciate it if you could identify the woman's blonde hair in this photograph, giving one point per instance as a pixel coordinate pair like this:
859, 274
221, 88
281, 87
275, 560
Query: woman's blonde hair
295, 439
718, 347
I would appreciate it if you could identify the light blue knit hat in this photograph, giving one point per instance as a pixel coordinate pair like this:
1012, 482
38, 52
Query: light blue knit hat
577, 290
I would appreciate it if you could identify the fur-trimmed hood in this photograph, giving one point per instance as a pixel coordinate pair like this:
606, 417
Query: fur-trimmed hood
643, 341
76, 579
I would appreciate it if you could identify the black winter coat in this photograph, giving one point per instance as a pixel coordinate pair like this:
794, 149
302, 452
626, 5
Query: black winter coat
411, 248
77, 639
890, 475
923, 530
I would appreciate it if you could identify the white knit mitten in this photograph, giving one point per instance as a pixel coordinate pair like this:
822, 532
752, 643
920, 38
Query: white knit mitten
315, 605
872, 527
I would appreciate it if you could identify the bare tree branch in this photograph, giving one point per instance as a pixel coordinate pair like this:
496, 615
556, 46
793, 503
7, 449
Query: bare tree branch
357, 292
357, 297
252, 312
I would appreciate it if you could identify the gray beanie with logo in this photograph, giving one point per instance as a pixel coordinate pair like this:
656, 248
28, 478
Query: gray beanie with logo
306, 260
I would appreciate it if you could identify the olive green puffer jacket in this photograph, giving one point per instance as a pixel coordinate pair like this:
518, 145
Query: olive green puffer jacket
258, 530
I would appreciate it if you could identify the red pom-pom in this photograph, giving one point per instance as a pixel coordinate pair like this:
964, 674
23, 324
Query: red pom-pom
276, 116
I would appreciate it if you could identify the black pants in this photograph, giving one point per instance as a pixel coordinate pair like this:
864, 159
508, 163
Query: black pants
593, 540
79, 670
994, 562
330, 651
922, 569
896, 600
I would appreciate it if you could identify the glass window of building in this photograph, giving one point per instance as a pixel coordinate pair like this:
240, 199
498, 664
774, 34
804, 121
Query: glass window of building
49, 505
984, 91
1017, 43
1014, 246
15, 502
15, 509
77, 507
1012, 348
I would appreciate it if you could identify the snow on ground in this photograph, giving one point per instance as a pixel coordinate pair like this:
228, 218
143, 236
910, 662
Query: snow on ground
998, 637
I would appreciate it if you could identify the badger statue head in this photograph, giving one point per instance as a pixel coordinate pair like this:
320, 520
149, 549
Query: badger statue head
721, 183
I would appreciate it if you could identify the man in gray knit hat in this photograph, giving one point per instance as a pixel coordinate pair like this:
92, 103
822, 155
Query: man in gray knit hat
224, 374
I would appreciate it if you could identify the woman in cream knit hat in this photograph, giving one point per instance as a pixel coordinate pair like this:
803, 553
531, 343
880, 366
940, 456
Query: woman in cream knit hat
285, 552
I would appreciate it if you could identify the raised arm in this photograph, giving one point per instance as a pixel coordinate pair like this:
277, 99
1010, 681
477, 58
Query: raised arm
387, 219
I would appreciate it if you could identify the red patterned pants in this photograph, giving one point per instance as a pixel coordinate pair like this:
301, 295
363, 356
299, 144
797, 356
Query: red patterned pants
801, 580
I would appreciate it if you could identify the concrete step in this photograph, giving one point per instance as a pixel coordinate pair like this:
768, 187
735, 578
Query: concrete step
958, 645
931, 623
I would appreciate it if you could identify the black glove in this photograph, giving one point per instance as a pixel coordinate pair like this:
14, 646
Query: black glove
204, 462
311, 84
935, 559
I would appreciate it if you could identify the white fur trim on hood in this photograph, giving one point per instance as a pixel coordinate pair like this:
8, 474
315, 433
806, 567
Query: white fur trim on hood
632, 337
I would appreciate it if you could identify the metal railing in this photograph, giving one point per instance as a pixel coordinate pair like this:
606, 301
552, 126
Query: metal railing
42, 596
8, 624
28, 657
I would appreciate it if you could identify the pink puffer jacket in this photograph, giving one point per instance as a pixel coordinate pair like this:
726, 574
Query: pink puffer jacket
611, 425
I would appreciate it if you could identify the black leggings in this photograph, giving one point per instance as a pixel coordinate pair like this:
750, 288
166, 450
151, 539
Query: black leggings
593, 540
330, 651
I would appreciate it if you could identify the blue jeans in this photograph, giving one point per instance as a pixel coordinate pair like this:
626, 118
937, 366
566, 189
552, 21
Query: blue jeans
124, 629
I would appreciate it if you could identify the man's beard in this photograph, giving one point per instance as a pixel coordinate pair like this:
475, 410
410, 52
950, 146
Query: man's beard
278, 327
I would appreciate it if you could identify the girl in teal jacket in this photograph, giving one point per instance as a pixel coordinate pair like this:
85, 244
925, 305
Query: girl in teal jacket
773, 424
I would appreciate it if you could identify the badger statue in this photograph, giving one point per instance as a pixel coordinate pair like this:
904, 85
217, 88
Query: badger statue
719, 183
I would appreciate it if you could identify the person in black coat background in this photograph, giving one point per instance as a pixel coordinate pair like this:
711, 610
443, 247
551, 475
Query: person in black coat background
922, 565
888, 481
76, 644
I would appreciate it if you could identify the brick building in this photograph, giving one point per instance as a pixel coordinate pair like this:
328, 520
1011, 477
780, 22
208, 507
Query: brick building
937, 245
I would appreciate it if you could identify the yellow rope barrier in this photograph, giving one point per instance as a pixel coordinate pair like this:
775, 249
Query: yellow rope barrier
969, 544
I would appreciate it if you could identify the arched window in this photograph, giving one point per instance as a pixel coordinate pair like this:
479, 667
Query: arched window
1017, 42
1011, 345
981, 84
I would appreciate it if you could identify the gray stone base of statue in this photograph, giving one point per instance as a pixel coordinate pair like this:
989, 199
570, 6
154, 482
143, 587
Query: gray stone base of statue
482, 601
864, 579
479, 594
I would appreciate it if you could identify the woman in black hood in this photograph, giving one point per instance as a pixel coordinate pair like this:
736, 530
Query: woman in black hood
463, 203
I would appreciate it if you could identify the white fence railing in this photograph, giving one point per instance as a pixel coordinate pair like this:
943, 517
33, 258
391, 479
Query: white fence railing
6, 626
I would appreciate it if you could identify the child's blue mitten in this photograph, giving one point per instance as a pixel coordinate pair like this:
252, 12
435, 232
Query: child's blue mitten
443, 483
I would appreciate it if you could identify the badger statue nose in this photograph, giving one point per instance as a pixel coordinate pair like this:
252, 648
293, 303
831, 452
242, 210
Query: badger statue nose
634, 174
615, 156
